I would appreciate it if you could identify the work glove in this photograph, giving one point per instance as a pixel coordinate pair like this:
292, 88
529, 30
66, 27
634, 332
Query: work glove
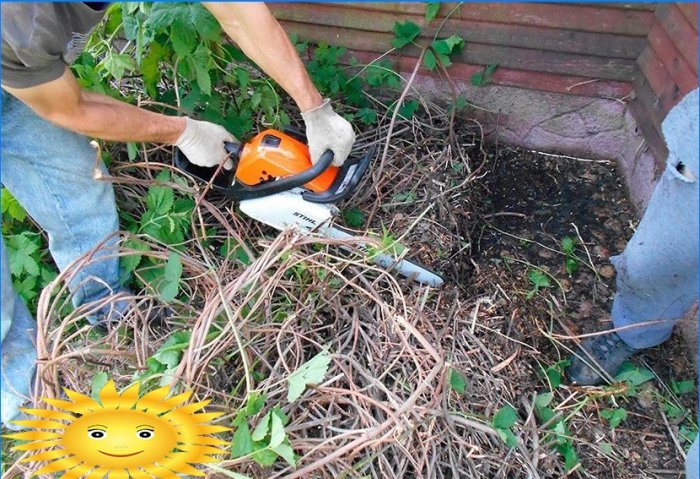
203, 143
326, 130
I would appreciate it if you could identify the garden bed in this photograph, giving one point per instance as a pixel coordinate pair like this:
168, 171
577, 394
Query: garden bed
461, 381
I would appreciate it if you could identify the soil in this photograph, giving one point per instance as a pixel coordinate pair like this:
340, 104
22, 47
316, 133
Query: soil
535, 201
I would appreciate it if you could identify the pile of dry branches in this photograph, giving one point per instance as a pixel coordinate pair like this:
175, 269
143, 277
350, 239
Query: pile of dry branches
385, 409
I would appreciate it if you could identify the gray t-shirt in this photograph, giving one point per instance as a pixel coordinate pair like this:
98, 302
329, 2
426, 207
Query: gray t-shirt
40, 39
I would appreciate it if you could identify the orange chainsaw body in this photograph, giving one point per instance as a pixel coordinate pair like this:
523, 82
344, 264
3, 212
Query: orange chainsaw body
272, 154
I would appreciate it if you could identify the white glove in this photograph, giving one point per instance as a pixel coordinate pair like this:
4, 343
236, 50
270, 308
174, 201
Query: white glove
203, 143
326, 130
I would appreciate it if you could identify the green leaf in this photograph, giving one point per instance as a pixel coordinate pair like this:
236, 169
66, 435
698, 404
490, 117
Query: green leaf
543, 400
431, 10
173, 268
571, 266
183, 38
405, 33
682, 387
287, 453
484, 77
27, 288
568, 245
21, 249
242, 442
200, 61
457, 381
614, 416
116, 64
255, 403
570, 457
265, 457
160, 199
277, 434
633, 375
408, 109
507, 436
132, 151
243, 78
353, 217
193, 14
99, 380
130, 263
311, 372
673, 411
368, 116
11, 207
538, 279
262, 428
505, 417
606, 448
429, 60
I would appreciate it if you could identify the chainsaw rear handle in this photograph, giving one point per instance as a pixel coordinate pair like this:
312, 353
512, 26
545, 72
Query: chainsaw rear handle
226, 182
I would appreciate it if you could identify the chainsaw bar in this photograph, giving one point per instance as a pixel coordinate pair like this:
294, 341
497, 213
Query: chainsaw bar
289, 208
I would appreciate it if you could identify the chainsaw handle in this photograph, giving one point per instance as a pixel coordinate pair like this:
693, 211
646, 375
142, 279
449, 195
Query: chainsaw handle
227, 185
240, 191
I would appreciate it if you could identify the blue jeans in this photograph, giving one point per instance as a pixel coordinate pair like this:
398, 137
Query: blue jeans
49, 170
657, 273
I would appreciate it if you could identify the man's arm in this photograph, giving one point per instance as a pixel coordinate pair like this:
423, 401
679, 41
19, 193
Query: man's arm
65, 104
262, 39
256, 31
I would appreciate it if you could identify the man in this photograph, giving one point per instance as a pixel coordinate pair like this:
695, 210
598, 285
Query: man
47, 163
657, 273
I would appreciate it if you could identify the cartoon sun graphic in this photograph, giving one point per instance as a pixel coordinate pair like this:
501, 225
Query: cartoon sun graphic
123, 437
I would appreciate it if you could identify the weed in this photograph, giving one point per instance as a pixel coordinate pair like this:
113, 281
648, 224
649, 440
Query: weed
539, 280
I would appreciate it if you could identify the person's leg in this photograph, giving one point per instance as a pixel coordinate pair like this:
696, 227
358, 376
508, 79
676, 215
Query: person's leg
657, 273
691, 461
18, 351
49, 170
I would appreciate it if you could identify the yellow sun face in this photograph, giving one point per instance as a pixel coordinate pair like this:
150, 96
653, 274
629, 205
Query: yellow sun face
119, 439
121, 436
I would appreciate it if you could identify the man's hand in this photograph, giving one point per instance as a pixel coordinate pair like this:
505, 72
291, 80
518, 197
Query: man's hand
203, 143
326, 130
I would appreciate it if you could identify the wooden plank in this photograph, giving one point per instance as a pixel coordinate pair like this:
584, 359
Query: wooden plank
569, 41
652, 136
652, 105
565, 16
690, 11
570, 85
681, 32
479, 54
659, 79
644, 6
673, 61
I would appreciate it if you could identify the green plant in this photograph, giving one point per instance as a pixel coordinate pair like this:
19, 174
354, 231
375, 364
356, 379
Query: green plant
483, 77
456, 381
28, 257
555, 372
165, 361
568, 247
353, 217
268, 441
502, 422
388, 245
311, 372
539, 280
614, 416
558, 434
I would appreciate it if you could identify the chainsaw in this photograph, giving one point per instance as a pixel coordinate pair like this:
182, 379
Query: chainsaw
275, 182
